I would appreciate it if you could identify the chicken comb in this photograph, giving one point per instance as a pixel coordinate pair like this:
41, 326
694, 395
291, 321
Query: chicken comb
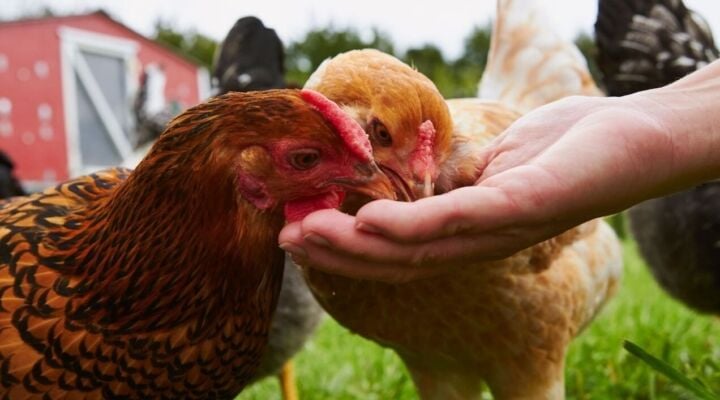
349, 130
422, 157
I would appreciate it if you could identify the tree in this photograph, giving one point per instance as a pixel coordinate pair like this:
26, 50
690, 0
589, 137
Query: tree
429, 60
477, 47
190, 44
456, 78
303, 56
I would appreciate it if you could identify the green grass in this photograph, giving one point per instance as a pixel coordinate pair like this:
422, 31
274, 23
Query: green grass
339, 365
694, 386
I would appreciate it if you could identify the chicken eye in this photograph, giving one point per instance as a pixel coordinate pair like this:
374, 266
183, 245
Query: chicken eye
304, 159
380, 134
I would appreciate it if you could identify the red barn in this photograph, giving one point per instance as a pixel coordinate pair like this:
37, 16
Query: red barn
67, 87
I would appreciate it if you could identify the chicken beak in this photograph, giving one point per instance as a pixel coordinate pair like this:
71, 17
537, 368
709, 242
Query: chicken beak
423, 188
370, 181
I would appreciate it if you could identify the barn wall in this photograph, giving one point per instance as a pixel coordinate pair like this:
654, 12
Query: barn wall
31, 111
32, 125
181, 74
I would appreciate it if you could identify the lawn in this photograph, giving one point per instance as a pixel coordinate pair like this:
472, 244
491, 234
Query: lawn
339, 365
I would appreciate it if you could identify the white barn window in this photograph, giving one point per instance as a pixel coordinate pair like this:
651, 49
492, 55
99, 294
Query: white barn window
98, 86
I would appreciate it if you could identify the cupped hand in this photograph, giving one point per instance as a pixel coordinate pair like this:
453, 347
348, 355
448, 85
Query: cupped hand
554, 168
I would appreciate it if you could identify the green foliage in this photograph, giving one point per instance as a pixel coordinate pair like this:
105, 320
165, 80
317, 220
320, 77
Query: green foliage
302, 57
454, 78
696, 386
339, 365
190, 44
619, 223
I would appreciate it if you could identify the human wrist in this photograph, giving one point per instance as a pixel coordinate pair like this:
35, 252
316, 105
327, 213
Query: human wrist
688, 113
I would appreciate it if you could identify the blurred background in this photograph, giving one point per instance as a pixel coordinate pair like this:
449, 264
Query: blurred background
55, 58
89, 84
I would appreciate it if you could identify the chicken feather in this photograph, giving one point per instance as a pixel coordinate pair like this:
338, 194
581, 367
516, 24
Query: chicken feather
530, 65
507, 323
160, 282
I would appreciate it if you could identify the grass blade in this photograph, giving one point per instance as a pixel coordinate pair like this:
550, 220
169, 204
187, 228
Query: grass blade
671, 373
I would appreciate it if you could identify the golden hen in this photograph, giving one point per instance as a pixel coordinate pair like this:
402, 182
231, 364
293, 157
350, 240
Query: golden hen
507, 323
400, 109
160, 283
529, 63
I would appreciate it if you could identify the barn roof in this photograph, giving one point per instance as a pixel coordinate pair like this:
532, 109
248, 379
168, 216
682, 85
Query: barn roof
103, 14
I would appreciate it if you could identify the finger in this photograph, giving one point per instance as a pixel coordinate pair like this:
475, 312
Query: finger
291, 233
340, 263
466, 210
427, 260
328, 261
371, 257
334, 232
333, 229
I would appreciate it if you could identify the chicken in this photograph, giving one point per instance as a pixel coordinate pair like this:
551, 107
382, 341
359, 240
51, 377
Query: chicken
475, 123
251, 58
150, 107
9, 185
160, 283
643, 45
401, 110
507, 323
523, 49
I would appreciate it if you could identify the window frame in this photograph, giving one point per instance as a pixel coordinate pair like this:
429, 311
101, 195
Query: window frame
73, 42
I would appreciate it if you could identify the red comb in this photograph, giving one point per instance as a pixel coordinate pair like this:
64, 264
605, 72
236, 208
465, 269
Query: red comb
421, 159
349, 130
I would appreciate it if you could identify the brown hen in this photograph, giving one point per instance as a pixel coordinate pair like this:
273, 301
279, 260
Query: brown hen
160, 283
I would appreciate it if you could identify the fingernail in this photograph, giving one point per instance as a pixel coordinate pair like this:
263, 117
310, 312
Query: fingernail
293, 249
366, 228
316, 239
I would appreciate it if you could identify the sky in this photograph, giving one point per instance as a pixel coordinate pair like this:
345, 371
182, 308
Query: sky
444, 23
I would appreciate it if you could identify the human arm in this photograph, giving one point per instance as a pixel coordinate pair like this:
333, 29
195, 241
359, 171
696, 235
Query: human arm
556, 167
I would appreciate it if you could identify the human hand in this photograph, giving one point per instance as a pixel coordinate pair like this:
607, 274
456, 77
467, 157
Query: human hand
556, 167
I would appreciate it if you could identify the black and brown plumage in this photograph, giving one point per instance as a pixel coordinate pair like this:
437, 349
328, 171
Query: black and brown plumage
648, 44
161, 282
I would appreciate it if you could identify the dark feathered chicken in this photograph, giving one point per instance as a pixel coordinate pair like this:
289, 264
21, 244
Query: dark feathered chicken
644, 44
648, 44
250, 58
9, 185
160, 283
